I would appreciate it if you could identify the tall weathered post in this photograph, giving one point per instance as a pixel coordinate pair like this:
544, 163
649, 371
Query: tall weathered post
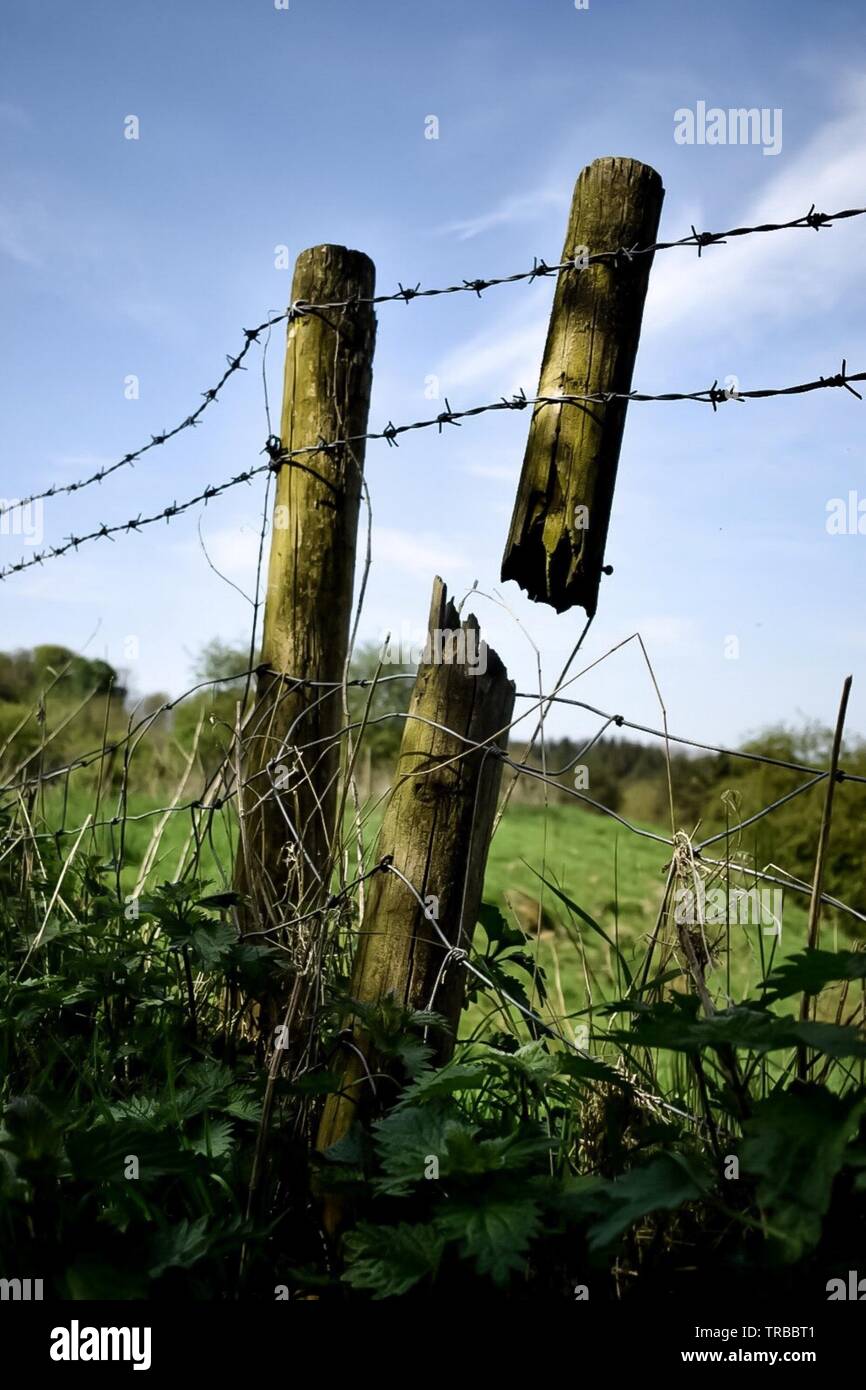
555, 548
436, 834
291, 743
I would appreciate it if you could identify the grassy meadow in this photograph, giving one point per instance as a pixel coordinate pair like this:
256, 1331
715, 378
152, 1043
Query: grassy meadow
614, 876
631, 1099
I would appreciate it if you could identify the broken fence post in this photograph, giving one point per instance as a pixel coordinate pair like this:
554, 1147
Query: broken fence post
555, 548
436, 832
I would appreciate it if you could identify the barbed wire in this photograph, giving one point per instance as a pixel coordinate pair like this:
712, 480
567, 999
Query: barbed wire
579, 261
190, 422
582, 259
202, 811
279, 457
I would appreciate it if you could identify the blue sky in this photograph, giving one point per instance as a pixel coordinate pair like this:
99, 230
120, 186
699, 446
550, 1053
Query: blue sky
262, 127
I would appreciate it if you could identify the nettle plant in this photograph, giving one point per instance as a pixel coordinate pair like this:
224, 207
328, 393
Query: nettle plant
534, 1169
149, 1148
131, 1097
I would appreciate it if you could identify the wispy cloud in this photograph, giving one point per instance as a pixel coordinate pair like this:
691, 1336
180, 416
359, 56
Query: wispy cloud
504, 356
779, 276
415, 553
234, 551
521, 208
757, 280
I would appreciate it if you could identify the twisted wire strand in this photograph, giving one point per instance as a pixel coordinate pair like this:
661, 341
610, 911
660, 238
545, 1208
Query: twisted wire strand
581, 260
279, 457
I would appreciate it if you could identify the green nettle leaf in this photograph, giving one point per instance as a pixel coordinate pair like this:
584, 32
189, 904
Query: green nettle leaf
810, 971
175, 907
389, 1260
206, 1087
215, 1139
495, 1230
498, 930
580, 1197
413, 1053
49, 932
316, 1083
506, 944
221, 900
181, 1245
30, 1129
795, 1144
394, 1030
242, 1105
427, 1018
384, 1020
140, 1108
407, 1139
348, 1151
81, 994
666, 1182
253, 964
99, 1154
175, 897
500, 982
30, 1000
435, 1085
467, 1157
831, 1039
533, 1062
212, 942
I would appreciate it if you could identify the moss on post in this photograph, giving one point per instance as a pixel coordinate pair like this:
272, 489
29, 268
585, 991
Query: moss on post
436, 831
555, 547
291, 742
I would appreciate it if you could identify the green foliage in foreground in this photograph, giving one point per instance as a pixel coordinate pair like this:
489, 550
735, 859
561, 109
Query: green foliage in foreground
143, 1153
132, 1101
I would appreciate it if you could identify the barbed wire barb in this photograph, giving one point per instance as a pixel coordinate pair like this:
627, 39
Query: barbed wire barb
579, 261
279, 457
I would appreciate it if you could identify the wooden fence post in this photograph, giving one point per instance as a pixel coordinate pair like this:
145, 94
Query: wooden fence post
436, 828
555, 548
288, 802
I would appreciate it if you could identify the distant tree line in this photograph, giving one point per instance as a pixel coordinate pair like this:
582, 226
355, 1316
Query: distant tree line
56, 704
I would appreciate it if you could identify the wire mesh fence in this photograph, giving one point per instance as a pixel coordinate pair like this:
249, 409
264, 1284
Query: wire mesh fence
213, 792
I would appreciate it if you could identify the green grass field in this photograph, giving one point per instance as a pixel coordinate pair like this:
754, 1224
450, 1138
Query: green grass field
614, 876
617, 879
647, 1105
